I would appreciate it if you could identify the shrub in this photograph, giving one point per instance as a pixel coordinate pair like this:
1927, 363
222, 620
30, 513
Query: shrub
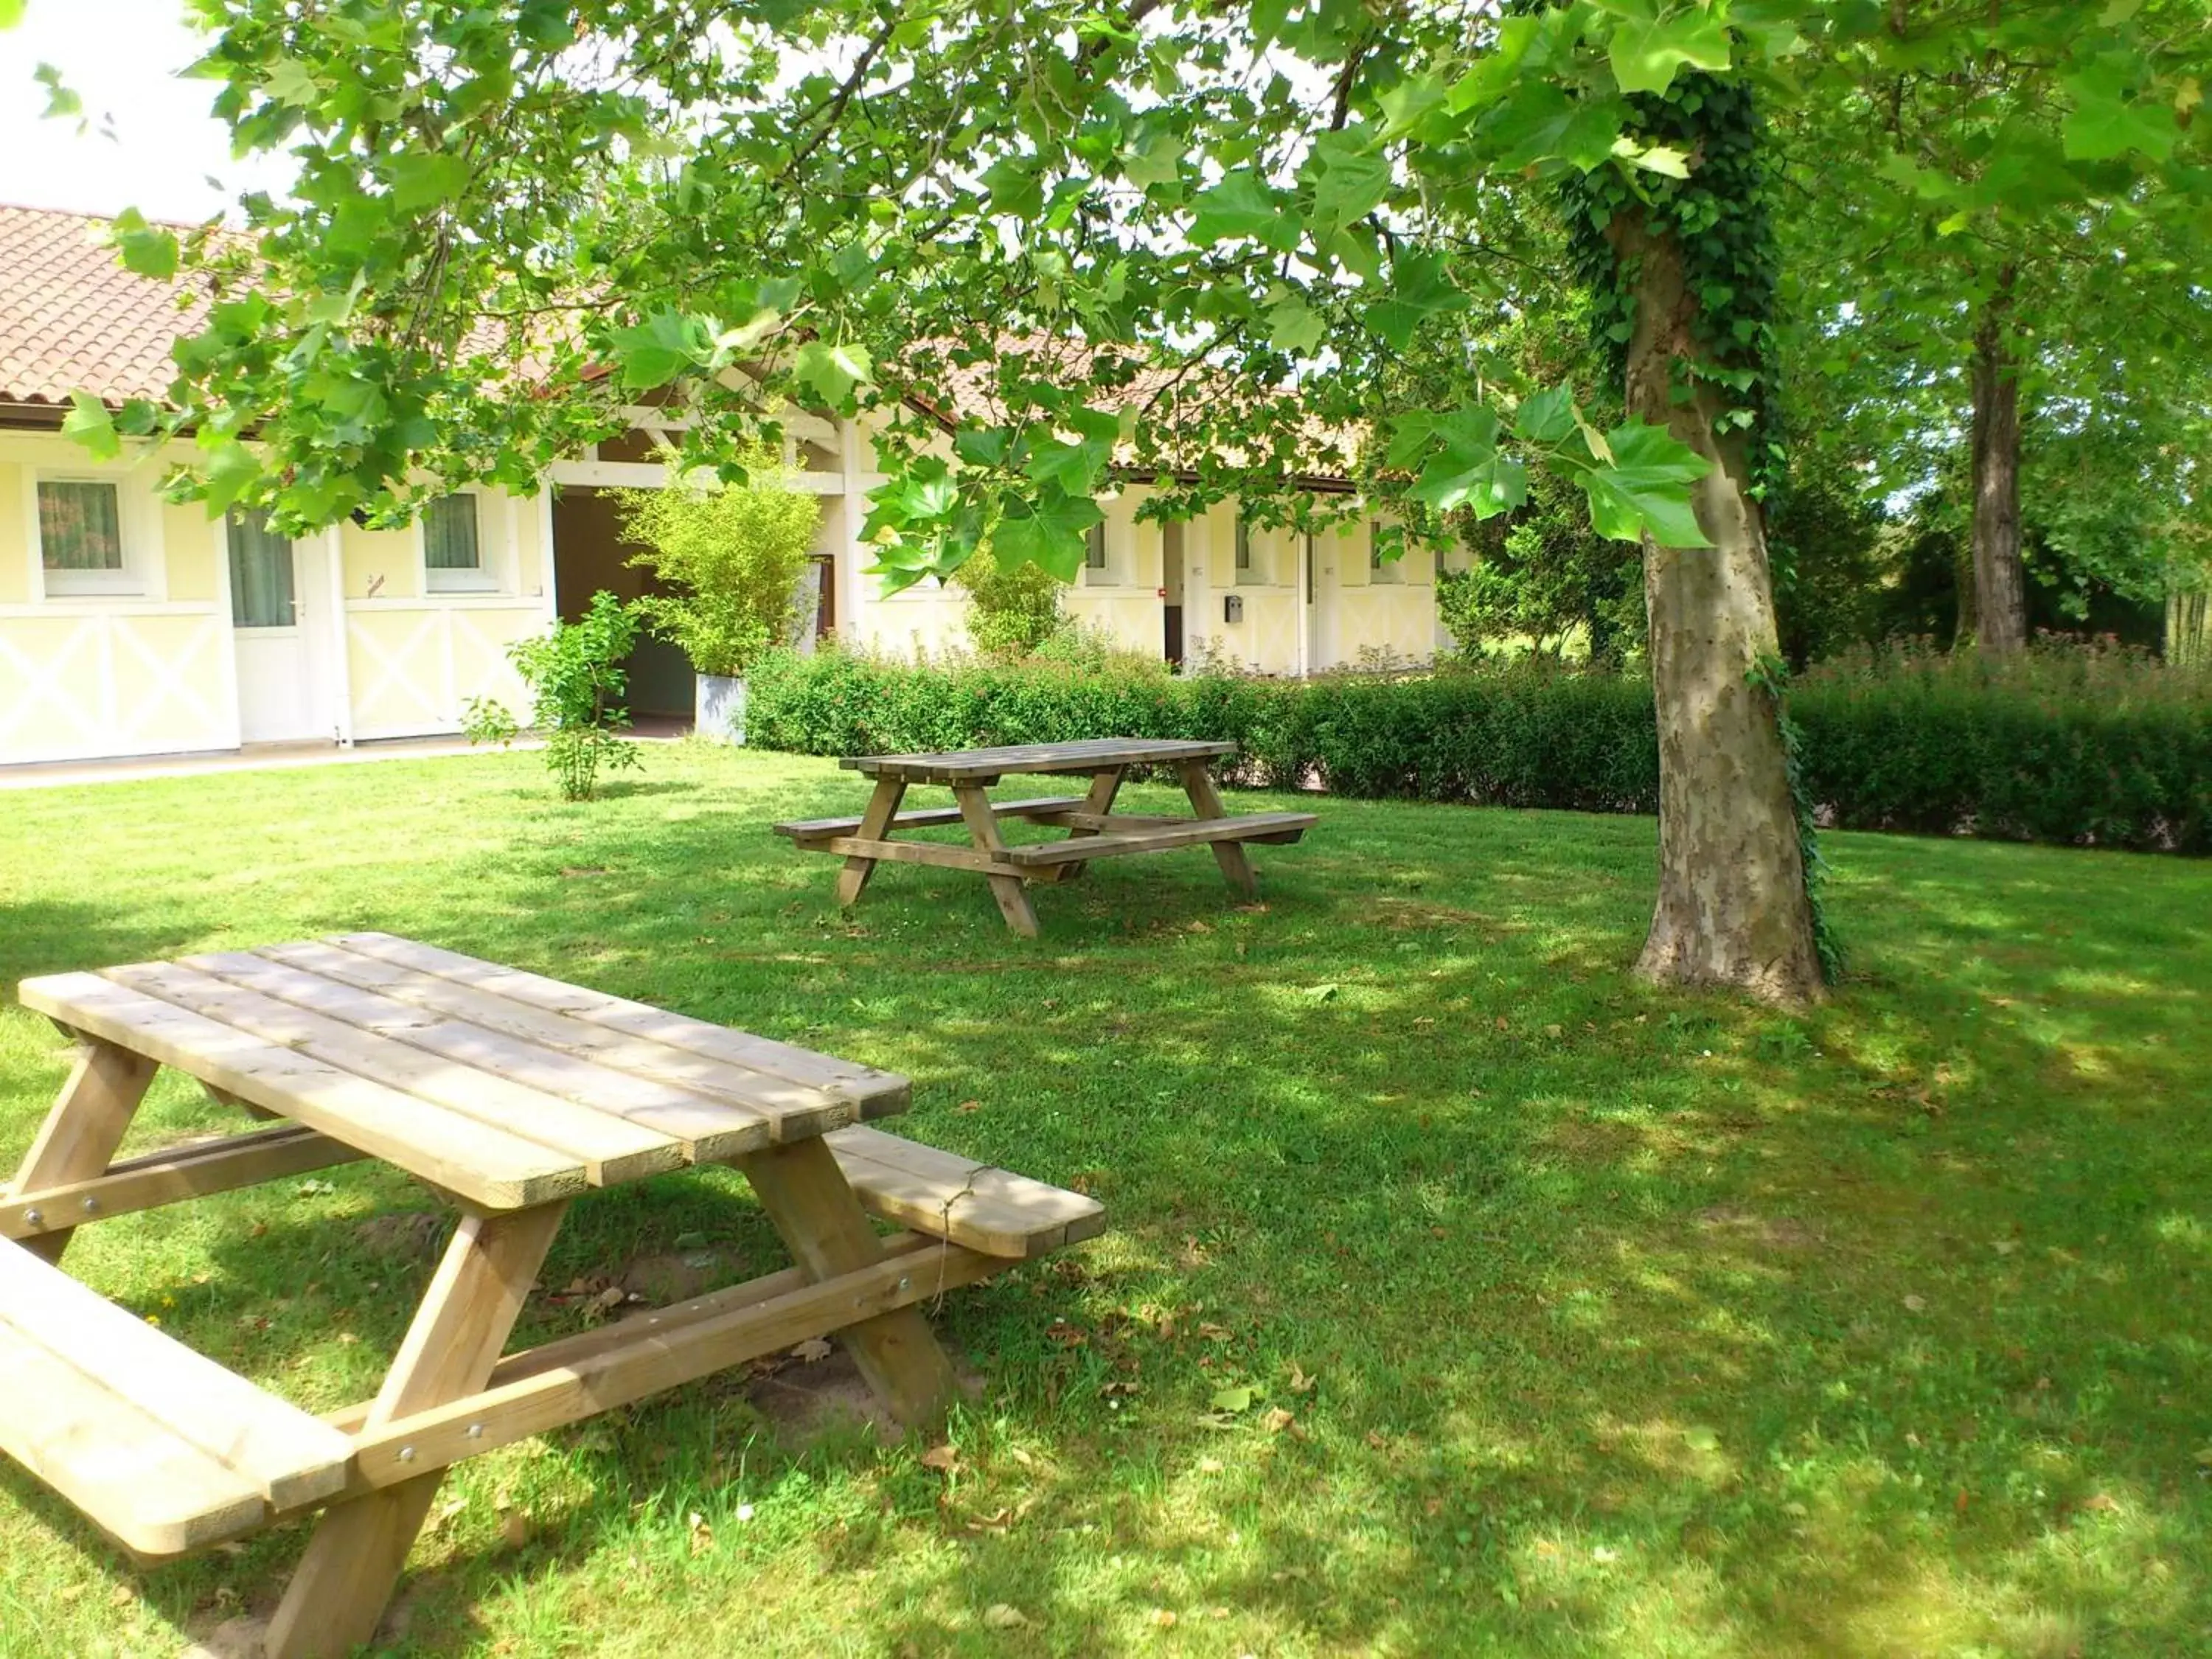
2101, 749
576, 689
1011, 612
731, 558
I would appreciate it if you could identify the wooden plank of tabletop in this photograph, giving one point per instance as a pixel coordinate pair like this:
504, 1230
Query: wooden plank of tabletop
972, 765
794, 1110
705, 1129
878, 1094
497, 1168
611, 1149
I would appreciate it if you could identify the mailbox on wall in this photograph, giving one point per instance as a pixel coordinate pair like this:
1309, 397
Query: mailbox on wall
1232, 608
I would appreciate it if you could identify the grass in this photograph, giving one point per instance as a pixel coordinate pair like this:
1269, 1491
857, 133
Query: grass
1607, 1320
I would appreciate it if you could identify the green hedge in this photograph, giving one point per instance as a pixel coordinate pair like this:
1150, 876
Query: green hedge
2102, 752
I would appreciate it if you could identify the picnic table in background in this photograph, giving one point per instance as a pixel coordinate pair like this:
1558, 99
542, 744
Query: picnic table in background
513, 1095
1094, 830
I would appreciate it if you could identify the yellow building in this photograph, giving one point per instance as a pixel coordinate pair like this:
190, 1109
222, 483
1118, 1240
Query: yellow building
129, 626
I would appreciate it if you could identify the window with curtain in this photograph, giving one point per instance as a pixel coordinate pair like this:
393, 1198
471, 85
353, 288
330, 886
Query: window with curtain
1244, 551
1380, 569
260, 573
452, 546
80, 536
1094, 552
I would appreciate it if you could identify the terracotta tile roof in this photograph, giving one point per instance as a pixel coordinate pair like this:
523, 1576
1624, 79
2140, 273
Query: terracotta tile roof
72, 320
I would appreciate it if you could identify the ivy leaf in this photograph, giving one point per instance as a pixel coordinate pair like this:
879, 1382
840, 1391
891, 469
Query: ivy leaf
91, 425
1647, 50
423, 178
1241, 204
832, 370
1646, 488
1048, 531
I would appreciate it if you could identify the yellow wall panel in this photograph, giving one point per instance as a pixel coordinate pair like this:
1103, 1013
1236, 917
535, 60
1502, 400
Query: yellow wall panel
381, 564
414, 668
77, 685
15, 537
188, 543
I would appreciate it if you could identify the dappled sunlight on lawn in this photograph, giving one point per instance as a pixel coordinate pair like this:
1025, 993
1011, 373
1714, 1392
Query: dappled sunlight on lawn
1463, 1295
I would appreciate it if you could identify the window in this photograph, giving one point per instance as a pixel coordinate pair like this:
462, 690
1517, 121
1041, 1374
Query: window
452, 549
1309, 567
81, 537
1244, 550
1380, 569
1094, 553
261, 593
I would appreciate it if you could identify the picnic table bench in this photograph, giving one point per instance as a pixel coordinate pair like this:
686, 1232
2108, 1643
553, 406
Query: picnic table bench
513, 1095
1094, 830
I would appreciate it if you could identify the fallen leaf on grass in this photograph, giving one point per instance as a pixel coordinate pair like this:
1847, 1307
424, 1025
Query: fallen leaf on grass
1000, 1616
515, 1529
1278, 1419
969, 1106
702, 1535
1915, 1303
814, 1348
1236, 1399
943, 1459
1300, 1383
1701, 1439
1163, 1618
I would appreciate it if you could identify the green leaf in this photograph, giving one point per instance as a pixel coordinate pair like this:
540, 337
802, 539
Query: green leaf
89, 422
423, 178
1647, 50
658, 349
1546, 417
61, 101
1015, 187
2107, 122
1646, 488
1049, 532
1241, 204
1295, 326
11, 13
982, 446
1238, 1398
230, 467
147, 250
1539, 122
1156, 158
1420, 289
1350, 182
832, 370
291, 81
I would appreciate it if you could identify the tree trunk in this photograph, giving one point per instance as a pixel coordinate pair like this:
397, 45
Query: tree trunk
2189, 630
1732, 907
2000, 584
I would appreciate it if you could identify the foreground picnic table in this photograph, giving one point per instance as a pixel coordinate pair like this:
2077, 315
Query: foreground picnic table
1094, 830
513, 1095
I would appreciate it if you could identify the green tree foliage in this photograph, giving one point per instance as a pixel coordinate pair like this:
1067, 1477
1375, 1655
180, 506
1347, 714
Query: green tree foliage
730, 554
1542, 578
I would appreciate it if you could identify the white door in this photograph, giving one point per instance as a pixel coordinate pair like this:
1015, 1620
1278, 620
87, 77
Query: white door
278, 690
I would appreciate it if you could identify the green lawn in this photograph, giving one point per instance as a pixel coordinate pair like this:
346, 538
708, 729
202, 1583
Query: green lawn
1608, 1320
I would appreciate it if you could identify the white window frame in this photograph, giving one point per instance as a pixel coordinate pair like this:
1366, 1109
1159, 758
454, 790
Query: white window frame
1101, 574
137, 522
1382, 571
489, 577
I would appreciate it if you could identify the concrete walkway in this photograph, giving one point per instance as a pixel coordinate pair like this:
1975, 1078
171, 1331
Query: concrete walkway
278, 757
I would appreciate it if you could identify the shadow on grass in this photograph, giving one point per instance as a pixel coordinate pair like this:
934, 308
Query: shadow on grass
1605, 1320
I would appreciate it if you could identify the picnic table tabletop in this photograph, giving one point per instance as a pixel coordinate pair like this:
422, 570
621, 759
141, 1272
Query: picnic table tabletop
1085, 755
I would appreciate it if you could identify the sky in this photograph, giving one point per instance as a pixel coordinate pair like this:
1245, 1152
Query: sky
150, 143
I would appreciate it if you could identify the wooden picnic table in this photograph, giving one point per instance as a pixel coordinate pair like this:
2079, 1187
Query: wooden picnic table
513, 1095
1094, 830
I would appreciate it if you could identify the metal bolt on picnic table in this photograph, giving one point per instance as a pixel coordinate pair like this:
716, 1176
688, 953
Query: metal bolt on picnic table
1094, 830
513, 1095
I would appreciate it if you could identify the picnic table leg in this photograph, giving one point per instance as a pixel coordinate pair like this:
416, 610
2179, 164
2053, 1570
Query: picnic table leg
875, 825
983, 829
84, 1127
807, 1196
1104, 786
346, 1578
1205, 801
